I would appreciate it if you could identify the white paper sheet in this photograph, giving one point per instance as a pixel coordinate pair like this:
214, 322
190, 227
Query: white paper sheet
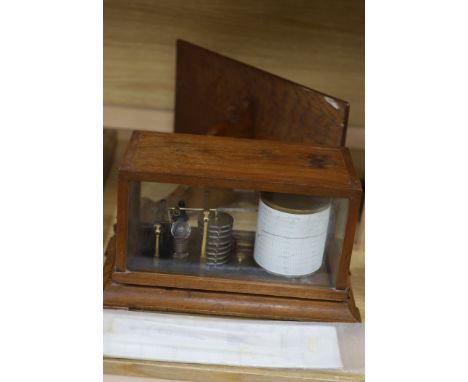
222, 341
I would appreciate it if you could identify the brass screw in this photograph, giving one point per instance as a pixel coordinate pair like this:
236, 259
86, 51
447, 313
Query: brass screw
241, 257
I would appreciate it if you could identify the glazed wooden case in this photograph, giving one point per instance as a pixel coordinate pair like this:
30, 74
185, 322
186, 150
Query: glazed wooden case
212, 172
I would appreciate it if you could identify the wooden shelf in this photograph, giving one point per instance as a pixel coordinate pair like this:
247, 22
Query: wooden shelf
207, 373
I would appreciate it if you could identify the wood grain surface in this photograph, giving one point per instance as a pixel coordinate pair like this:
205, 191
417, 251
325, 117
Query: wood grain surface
240, 163
214, 373
230, 285
216, 95
319, 44
228, 304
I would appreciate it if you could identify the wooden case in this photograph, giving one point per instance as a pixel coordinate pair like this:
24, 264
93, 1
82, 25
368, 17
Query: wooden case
232, 163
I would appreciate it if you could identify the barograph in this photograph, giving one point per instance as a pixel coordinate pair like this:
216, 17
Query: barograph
234, 226
242, 211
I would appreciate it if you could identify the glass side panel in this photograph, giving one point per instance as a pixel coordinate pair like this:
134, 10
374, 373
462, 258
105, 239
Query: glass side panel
238, 234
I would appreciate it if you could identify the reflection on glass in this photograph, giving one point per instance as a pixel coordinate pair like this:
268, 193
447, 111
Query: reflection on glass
240, 234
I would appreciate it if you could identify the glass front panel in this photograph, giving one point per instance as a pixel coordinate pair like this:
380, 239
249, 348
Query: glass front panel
237, 234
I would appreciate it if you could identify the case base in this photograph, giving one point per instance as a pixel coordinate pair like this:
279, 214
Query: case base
221, 303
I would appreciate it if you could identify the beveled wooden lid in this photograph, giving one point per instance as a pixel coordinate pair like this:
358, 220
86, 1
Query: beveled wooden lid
217, 92
252, 164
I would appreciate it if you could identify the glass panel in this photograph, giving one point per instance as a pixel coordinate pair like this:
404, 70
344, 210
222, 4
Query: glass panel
241, 234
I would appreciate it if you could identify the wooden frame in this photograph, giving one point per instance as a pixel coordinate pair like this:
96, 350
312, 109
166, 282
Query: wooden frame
279, 167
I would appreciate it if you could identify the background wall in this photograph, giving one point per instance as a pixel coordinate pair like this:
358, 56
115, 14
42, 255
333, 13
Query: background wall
319, 44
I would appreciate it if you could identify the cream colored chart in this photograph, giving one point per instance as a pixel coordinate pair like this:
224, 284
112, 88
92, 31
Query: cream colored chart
290, 244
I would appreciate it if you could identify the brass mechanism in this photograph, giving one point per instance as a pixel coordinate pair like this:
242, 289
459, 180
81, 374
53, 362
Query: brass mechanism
157, 231
206, 214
